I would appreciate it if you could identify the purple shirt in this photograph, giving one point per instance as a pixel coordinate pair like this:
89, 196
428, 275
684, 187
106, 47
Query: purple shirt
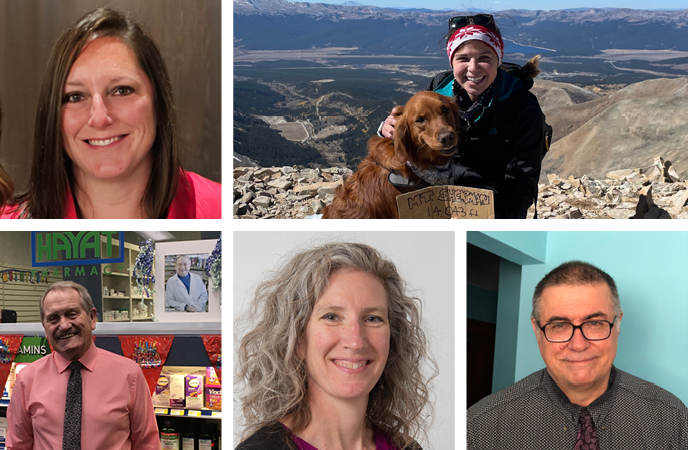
381, 442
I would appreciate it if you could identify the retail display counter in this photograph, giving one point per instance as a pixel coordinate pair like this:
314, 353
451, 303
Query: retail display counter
187, 351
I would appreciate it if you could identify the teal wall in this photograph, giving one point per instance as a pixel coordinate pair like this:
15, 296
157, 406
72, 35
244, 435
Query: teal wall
516, 249
481, 304
520, 247
506, 334
651, 272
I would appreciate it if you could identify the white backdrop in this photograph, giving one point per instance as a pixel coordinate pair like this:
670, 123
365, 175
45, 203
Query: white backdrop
425, 260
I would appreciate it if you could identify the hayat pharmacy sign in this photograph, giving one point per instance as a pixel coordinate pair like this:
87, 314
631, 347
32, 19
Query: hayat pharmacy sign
67, 248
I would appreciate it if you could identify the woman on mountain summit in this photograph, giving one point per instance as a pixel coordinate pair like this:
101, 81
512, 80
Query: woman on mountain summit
503, 141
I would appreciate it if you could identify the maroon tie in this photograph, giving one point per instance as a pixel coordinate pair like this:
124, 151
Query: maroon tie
587, 438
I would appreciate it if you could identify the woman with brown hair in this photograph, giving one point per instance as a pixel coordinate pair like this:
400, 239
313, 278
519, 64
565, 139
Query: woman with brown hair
333, 355
504, 136
105, 135
6, 185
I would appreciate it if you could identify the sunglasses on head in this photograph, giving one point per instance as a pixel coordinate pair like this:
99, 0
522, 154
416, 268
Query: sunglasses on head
485, 20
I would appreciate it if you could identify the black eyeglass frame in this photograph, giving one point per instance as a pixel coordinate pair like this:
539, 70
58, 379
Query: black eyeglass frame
485, 20
579, 327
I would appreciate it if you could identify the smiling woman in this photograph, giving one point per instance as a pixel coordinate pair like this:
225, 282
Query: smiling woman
504, 135
335, 357
105, 137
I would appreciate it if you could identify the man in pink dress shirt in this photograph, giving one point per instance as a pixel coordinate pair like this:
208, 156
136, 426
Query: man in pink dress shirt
117, 412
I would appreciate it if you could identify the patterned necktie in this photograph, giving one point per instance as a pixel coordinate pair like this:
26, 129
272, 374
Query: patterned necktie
71, 434
587, 437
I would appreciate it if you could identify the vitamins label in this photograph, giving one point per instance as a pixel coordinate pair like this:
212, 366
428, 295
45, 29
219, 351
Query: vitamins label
169, 441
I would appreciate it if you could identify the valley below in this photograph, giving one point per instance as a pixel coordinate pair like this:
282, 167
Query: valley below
329, 101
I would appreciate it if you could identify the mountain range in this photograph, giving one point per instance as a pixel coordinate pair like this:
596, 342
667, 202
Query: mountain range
593, 133
263, 24
622, 130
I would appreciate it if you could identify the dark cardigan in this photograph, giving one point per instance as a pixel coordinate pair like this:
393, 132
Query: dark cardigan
276, 437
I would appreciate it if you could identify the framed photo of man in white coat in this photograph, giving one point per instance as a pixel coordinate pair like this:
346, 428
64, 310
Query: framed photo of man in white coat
182, 283
186, 286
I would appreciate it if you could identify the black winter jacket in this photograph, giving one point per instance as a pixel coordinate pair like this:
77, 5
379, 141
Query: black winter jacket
503, 144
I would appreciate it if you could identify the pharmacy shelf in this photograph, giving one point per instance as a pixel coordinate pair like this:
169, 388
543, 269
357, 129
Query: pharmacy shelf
172, 412
176, 412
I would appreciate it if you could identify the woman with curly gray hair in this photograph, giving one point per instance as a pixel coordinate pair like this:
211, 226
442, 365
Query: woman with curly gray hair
335, 358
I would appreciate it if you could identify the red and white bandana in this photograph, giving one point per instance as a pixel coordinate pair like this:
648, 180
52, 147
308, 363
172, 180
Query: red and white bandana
472, 33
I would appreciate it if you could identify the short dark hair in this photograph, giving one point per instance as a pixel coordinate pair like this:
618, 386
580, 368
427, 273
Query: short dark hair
84, 296
51, 170
575, 273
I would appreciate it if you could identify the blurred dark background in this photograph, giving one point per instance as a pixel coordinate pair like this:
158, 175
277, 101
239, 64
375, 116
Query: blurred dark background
188, 34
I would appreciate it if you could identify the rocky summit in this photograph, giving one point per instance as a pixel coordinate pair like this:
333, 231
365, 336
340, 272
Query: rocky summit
284, 192
616, 197
292, 193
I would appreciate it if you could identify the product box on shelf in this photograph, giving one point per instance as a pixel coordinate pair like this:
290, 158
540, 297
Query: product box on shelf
161, 397
194, 387
177, 395
3, 430
213, 390
9, 384
12, 378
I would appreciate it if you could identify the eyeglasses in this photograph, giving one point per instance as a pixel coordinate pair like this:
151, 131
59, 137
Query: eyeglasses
593, 330
484, 20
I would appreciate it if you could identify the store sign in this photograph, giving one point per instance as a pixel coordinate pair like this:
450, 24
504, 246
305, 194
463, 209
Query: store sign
32, 349
67, 248
81, 271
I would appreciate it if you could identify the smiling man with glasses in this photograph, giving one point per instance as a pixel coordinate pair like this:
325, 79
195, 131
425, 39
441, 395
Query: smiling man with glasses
580, 400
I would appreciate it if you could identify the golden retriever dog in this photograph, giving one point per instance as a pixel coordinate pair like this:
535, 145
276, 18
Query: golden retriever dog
425, 138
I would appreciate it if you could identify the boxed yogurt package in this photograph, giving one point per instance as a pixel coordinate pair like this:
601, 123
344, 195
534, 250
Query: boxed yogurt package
213, 390
194, 387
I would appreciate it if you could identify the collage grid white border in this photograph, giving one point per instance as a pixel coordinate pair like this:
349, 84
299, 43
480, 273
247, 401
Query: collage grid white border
460, 228
228, 226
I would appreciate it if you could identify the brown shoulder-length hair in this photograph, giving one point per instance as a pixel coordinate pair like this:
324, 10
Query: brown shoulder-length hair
51, 170
6, 185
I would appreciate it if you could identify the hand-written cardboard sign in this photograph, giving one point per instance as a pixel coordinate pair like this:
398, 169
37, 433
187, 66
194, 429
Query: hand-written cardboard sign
446, 202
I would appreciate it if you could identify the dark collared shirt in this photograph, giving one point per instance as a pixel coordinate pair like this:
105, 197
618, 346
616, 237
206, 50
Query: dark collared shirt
535, 414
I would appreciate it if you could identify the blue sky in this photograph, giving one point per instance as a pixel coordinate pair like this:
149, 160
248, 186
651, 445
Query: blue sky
498, 5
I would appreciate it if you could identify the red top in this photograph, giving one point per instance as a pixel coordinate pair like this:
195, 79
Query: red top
196, 198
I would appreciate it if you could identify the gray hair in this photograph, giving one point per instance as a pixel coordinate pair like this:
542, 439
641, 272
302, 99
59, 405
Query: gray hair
575, 273
84, 296
274, 376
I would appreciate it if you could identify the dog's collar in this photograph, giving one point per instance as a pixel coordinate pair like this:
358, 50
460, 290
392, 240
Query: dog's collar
436, 176
403, 184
